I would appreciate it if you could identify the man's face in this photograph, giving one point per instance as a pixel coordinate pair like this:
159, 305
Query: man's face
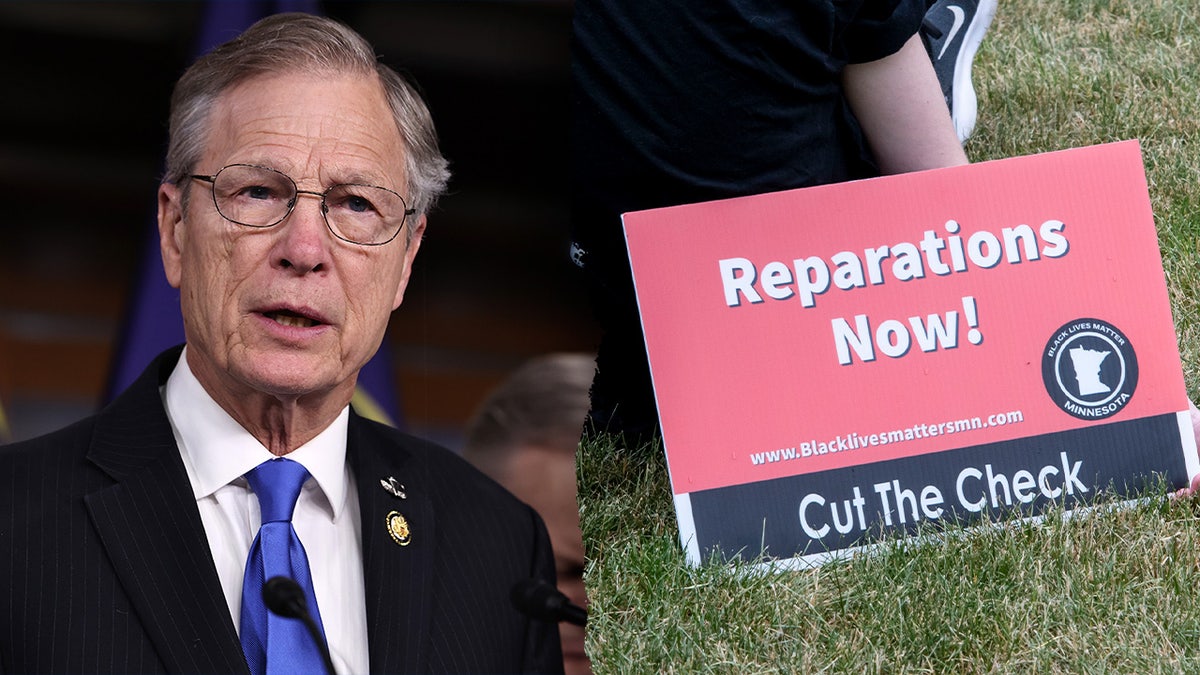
291, 310
544, 478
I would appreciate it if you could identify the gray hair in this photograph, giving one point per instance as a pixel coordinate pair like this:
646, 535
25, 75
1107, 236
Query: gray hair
289, 43
543, 403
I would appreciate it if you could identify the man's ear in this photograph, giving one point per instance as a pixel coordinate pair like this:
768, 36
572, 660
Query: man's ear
414, 243
170, 231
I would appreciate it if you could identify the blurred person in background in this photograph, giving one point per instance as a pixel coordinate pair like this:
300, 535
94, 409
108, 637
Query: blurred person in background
525, 435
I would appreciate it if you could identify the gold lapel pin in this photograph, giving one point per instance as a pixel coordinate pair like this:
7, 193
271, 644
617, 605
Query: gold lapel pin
397, 526
393, 487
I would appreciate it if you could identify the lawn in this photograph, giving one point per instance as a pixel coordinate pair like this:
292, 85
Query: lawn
1114, 591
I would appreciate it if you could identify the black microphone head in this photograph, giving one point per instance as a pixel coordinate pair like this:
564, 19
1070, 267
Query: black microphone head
284, 597
538, 599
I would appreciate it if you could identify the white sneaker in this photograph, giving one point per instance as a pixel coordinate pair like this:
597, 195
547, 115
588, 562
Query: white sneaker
952, 31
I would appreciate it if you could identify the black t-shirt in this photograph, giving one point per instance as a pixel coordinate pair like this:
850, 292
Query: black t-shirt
678, 101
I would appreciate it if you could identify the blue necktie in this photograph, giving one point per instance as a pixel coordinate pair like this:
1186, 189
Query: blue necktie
275, 645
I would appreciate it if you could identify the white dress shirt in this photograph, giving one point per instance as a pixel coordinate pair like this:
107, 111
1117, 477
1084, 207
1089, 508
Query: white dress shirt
218, 452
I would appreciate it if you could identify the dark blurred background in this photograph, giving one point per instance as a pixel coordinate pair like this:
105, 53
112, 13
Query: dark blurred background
82, 133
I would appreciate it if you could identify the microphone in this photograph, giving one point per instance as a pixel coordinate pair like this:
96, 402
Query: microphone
285, 598
536, 598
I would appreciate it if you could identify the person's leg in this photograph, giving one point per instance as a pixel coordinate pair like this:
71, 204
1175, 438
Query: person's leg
622, 394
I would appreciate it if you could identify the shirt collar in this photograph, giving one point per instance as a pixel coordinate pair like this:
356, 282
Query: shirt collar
217, 450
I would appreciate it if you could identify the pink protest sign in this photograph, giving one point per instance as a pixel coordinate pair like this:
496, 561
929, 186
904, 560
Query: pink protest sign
835, 361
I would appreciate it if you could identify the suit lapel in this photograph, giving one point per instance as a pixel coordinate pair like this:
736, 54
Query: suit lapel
151, 530
398, 577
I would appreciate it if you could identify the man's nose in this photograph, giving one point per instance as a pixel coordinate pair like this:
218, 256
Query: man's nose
304, 238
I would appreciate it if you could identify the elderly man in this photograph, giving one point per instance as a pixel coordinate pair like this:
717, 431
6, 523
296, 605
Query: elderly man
299, 174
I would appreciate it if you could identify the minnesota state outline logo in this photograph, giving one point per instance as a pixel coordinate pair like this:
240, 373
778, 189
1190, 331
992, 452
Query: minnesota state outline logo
1090, 369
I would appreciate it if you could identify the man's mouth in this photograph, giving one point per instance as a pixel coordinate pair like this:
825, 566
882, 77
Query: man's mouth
284, 317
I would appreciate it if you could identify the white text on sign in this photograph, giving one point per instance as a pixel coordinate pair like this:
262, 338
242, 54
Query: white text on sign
975, 490
806, 278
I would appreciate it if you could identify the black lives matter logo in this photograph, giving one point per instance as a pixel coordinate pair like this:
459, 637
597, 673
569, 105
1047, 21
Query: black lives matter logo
1090, 369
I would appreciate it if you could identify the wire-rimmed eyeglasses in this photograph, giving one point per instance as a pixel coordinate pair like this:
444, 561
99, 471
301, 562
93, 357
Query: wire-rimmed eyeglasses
258, 196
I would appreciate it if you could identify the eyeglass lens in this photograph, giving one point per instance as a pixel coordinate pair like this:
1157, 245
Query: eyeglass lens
260, 197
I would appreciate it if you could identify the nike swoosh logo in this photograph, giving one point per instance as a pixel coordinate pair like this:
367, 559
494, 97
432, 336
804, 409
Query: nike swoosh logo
959, 17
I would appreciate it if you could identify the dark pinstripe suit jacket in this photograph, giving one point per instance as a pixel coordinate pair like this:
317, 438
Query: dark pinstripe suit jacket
104, 565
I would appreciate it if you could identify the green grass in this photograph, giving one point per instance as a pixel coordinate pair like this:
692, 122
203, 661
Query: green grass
1110, 592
